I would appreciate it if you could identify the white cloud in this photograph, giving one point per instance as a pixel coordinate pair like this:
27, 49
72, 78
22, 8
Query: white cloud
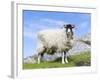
84, 24
82, 28
29, 33
32, 27
55, 22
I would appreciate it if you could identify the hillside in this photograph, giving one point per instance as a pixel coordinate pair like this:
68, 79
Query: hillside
83, 59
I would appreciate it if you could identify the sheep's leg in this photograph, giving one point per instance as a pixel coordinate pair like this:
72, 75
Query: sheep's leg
66, 60
65, 57
63, 62
41, 52
39, 58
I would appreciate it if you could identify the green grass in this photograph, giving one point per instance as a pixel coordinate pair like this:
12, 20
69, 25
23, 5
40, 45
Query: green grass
47, 65
83, 59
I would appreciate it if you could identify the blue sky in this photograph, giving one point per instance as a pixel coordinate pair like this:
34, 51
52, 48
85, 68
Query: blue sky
34, 21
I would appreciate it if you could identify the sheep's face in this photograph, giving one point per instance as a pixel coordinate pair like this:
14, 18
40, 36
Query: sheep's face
69, 30
69, 27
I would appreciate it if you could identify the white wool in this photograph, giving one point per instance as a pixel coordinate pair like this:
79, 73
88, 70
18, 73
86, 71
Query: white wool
53, 38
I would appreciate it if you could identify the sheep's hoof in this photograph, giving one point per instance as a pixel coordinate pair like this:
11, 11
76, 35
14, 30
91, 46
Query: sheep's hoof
66, 60
63, 62
38, 62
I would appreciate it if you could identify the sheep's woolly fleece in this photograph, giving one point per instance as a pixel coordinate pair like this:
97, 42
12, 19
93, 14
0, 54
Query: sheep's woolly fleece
54, 38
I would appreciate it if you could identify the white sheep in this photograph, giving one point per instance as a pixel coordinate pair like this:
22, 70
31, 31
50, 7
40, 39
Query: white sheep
55, 41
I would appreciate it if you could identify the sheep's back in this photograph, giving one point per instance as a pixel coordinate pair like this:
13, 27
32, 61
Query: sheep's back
52, 37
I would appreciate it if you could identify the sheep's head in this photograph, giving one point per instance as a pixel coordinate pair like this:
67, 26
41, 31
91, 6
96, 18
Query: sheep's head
69, 30
69, 26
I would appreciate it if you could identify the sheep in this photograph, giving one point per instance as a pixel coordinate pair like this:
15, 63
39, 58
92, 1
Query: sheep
52, 41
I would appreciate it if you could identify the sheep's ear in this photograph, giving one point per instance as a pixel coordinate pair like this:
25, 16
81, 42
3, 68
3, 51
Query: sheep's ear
64, 26
73, 26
